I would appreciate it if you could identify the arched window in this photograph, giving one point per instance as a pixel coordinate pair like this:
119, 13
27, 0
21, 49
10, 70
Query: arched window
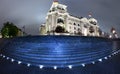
60, 21
94, 23
74, 28
91, 29
74, 23
60, 29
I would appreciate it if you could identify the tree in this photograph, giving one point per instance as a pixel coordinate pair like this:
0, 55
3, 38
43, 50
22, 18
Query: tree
9, 30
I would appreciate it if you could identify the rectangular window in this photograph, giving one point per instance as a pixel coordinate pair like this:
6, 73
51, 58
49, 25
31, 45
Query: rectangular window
74, 24
75, 32
74, 28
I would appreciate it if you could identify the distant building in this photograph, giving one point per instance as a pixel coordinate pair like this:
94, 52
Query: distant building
20, 33
0, 35
42, 30
114, 33
59, 21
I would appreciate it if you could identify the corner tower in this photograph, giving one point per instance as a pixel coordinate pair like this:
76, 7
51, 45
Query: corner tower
56, 17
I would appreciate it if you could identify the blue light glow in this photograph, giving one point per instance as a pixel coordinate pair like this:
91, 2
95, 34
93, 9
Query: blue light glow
3, 56
109, 56
83, 65
7, 58
55, 67
12, 60
19, 62
93, 62
70, 66
105, 58
57, 51
28, 65
100, 60
41, 66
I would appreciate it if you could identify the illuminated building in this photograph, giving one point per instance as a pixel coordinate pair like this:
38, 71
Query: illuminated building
0, 35
114, 33
66, 52
60, 22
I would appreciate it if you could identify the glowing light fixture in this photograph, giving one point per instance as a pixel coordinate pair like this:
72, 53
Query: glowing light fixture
28, 65
93, 62
109, 56
12, 60
83, 65
19, 62
3, 56
41, 66
55, 67
70, 66
100, 60
105, 58
7, 58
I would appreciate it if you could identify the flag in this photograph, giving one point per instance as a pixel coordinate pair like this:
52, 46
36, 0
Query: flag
55, 0
90, 14
112, 29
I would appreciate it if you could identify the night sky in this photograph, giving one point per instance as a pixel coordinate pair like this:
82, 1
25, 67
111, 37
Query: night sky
32, 13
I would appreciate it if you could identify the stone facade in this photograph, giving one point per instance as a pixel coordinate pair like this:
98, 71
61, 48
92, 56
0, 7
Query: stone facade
59, 21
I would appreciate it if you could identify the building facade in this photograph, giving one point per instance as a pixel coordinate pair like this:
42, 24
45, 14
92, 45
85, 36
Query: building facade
59, 21
0, 35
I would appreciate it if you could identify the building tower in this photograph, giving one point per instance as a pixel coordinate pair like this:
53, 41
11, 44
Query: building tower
114, 33
56, 17
60, 22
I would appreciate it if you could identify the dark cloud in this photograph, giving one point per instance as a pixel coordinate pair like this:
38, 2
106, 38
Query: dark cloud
31, 13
